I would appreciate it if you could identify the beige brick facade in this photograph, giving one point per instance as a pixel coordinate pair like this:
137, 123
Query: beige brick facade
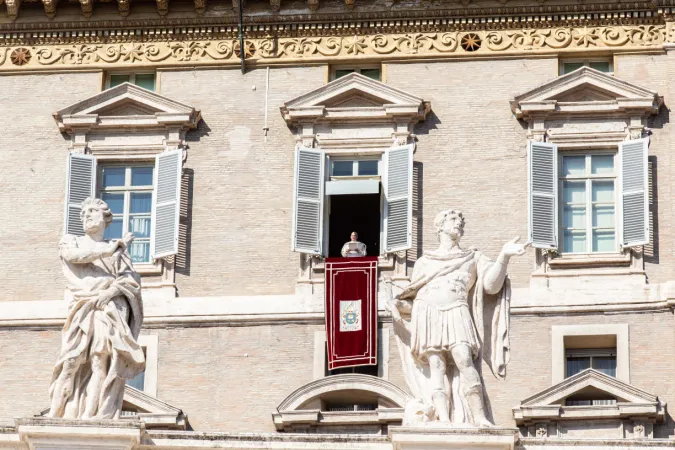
229, 367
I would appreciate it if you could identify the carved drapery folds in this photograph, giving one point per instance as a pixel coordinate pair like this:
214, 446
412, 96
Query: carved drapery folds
312, 47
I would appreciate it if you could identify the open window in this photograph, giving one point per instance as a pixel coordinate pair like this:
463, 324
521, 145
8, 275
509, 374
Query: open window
338, 194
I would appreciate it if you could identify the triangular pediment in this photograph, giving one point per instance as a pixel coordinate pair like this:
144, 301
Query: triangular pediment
127, 104
154, 412
585, 91
590, 382
354, 97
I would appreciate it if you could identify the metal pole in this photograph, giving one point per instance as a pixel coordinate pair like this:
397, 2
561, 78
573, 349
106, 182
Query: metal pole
242, 51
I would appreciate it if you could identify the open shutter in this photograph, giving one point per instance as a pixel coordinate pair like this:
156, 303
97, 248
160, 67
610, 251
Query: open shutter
634, 193
398, 198
308, 201
80, 184
543, 187
166, 203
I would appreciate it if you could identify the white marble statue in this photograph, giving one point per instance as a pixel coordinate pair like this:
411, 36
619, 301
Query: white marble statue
353, 248
438, 320
99, 347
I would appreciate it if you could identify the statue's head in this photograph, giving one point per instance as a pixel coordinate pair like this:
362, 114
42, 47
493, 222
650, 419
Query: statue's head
450, 222
95, 215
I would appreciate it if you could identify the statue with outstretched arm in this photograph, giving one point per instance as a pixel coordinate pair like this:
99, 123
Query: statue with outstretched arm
438, 320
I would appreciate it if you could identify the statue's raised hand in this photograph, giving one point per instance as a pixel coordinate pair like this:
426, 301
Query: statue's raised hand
512, 248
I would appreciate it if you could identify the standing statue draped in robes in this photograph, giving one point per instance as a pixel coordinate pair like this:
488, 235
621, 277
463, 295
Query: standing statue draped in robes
438, 321
99, 347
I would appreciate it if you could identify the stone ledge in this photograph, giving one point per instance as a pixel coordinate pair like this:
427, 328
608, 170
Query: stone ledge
453, 437
41, 433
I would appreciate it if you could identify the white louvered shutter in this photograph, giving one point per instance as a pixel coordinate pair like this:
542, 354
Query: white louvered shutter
80, 184
166, 203
308, 201
398, 198
543, 186
634, 193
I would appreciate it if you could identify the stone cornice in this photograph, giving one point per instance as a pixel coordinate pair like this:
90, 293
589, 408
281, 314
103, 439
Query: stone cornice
313, 14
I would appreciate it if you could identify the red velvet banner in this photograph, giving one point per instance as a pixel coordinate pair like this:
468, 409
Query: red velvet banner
351, 311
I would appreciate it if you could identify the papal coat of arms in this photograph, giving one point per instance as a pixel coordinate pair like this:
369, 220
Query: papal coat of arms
350, 315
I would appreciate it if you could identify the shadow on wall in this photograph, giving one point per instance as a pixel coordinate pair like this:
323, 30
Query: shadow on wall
651, 250
186, 202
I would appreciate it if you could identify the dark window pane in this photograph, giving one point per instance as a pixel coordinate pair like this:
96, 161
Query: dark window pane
367, 167
602, 66
145, 80
375, 74
114, 230
577, 364
343, 168
115, 202
138, 382
113, 176
605, 364
141, 176
570, 402
117, 79
342, 72
571, 67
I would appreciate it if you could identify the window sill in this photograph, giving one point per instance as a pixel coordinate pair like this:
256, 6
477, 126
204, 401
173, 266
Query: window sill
149, 269
590, 260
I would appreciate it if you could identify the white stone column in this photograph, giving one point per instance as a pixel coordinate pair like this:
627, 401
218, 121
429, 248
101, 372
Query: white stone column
448, 437
41, 433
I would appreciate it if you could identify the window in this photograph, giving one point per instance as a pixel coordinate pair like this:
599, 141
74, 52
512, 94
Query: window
338, 194
600, 359
144, 80
588, 202
355, 168
128, 190
374, 72
603, 347
147, 380
590, 402
601, 64
380, 370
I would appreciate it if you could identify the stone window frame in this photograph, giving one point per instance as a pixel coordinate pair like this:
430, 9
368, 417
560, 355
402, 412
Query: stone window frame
338, 130
319, 360
559, 332
94, 129
150, 342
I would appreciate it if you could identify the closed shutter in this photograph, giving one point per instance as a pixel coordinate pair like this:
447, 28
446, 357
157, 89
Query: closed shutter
166, 202
543, 187
308, 201
398, 198
634, 193
80, 184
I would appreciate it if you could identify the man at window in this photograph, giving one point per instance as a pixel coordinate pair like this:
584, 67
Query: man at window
353, 248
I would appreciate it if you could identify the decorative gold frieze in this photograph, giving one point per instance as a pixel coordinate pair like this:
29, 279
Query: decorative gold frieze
270, 49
